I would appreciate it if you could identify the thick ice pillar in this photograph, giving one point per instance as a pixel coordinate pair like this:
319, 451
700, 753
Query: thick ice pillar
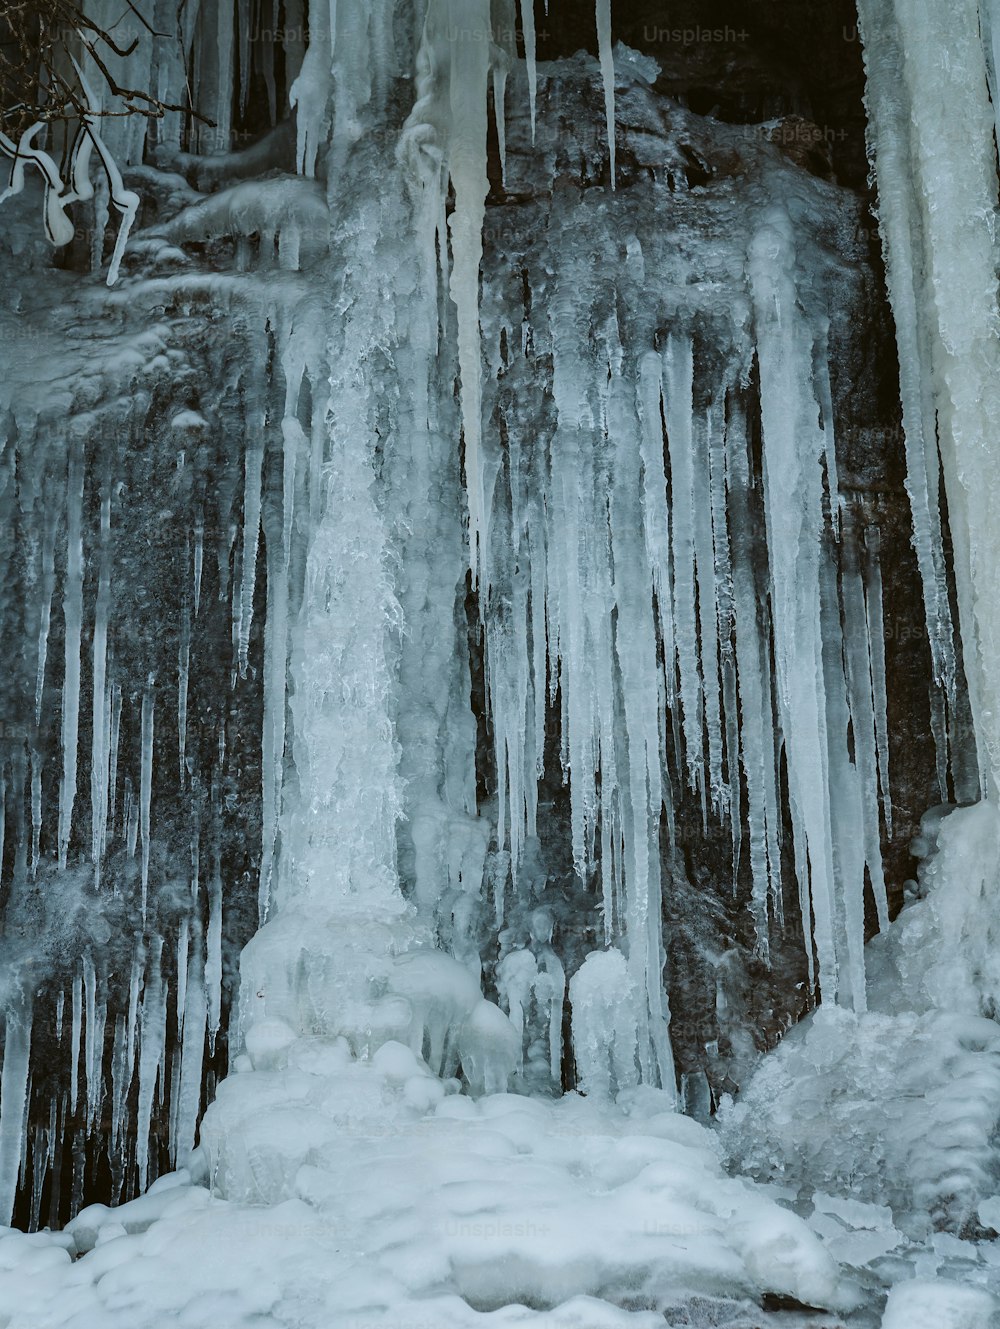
932, 135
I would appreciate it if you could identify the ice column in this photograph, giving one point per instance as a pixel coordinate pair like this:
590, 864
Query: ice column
824, 793
932, 137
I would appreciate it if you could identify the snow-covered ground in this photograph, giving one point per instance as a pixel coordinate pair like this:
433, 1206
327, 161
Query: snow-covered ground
385, 1200
507, 1210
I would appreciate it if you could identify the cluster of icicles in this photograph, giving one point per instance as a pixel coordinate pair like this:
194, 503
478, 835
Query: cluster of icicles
114, 955
637, 613
620, 549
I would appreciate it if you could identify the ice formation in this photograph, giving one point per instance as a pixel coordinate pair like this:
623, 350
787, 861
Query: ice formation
925, 1058
899, 1105
577, 451
928, 80
615, 501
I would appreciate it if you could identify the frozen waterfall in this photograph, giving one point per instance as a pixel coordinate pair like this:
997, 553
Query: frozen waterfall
443, 589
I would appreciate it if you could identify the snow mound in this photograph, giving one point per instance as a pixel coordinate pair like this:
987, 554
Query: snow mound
937, 1304
943, 952
898, 1110
389, 1199
900, 1105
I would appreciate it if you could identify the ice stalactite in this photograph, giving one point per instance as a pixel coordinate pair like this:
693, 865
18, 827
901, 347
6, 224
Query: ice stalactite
366, 747
102, 723
608, 77
466, 156
153, 1024
659, 625
146, 785
758, 757
13, 1101
526, 9
931, 130
309, 95
339, 838
820, 776
73, 616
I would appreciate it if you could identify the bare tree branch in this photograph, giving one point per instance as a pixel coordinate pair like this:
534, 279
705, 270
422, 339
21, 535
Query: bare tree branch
36, 51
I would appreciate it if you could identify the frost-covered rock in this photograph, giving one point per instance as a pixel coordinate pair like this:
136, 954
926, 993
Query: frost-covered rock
900, 1110
925, 1304
900, 1105
943, 952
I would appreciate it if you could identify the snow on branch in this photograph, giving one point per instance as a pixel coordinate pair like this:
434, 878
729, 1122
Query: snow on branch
41, 84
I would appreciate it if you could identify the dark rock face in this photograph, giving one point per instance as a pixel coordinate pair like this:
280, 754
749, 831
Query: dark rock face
743, 62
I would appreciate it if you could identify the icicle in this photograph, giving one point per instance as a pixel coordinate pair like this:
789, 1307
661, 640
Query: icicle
527, 10
876, 646
266, 50
899, 227
154, 1018
100, 750
188, 1097
116, 721
756, 728
130, 816
500, 113
119, 1084
846, 799
218, 48
572, 482
93, 1040
183, 671
857, 653
825, 393
278, 538
309, 94
293, 40
76, 1039
199, 558
253, 462
933, 132
89, 1006
24, 1150
53, 1150
793, 446
726, 618
48, 589
213, 957
635, 646
182, 974
3, 808
13, 1100
467, 168
656, 516
607, 74
145, 785
37, 762
134, 986
38, 1171
678, 378
247, 17
706, 425
73, 615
